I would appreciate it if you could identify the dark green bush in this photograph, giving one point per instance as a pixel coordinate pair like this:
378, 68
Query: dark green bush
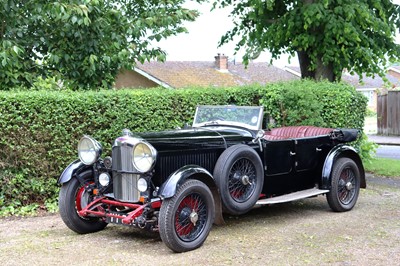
39, 130
306, 102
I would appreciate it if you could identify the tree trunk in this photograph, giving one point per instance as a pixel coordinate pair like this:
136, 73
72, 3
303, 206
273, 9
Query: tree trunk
305, 62
324, 71
321, 71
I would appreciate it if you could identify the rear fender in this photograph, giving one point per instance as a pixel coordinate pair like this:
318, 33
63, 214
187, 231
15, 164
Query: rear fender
337, 152
73, 168
169, 188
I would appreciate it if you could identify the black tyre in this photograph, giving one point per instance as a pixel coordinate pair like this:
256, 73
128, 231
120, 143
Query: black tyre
240, 178
73, 198
186, 218
345, 185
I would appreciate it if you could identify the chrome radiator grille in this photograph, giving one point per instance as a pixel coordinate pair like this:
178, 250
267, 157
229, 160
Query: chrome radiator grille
124, 183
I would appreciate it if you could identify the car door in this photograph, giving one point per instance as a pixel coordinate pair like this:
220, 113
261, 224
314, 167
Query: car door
308, 152
279, 157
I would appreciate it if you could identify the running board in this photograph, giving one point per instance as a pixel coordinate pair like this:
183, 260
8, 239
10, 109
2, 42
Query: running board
293, 196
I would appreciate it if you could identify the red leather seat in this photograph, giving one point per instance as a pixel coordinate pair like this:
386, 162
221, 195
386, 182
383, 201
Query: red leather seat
317, 131
289, 132
296, 132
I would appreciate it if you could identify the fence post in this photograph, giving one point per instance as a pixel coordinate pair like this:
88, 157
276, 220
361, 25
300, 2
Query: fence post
388, 110
382, 113
393, 112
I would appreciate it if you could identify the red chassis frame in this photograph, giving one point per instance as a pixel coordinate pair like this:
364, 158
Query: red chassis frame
137, 209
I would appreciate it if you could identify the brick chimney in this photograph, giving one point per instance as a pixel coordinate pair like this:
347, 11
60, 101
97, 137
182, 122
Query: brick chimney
221, 62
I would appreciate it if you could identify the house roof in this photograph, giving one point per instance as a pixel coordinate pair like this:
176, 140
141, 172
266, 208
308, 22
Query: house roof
395, 68
221, 73
179, 74
366, 83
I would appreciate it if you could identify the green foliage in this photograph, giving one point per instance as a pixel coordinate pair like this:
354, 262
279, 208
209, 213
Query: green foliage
18, 210
366, 148
50, 83
39, 130
383, 167
293, 104
82, 42
51, 205
370, 113
327, 35
321, 104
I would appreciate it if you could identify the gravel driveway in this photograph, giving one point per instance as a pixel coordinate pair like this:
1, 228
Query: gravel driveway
305, 232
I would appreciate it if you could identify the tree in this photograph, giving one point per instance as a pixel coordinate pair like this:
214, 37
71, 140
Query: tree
327, 35
84, 42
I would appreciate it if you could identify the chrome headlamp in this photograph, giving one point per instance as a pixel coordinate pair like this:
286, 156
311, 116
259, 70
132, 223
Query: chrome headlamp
89, 150
143, 156
104, 179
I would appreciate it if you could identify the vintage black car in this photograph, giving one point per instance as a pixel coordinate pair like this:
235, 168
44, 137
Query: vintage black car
180, 182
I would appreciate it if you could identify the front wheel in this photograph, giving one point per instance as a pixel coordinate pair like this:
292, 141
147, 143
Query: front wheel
73, 198
186, 218
345, 185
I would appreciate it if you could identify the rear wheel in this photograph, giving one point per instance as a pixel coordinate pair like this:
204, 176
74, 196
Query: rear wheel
345, 185
72, 199
240, 177
186, 218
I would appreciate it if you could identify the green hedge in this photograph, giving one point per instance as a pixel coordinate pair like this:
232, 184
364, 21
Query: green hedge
39, 130
309, 103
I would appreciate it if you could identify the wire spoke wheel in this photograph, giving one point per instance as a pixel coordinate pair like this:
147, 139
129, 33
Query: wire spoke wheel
186, 219
239, 174
242, 180
345, 185
191, 217
73, 198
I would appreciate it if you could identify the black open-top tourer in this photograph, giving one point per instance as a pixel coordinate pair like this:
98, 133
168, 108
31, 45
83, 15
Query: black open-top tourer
180, 182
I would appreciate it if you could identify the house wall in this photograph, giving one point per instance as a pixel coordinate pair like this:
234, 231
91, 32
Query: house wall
371, 94
131, 79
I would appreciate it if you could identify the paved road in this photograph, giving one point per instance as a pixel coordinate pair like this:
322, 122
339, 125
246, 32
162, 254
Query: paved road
387, 151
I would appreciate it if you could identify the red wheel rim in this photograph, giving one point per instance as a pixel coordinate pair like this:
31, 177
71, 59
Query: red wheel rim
191, 217
347, 186
80, 197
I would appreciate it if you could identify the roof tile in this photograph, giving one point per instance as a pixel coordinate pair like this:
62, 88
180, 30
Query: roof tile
180, 74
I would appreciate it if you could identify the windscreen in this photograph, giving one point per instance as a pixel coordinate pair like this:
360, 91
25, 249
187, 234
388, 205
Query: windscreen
245, 116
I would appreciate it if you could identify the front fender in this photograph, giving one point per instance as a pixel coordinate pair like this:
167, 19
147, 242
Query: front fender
168, 189
71, 169
333, 155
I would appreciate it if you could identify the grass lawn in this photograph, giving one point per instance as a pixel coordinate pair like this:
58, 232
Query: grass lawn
383, 167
